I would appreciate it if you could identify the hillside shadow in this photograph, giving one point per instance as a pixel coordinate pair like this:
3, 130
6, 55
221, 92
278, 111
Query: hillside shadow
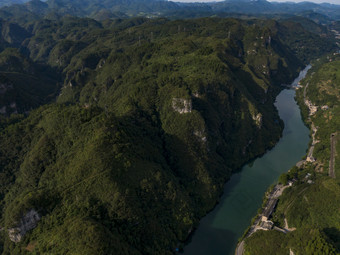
333, 235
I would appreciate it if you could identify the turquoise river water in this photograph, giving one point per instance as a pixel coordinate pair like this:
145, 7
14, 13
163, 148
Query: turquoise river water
219, 231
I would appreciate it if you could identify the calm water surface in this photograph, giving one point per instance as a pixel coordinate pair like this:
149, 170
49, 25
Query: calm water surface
219, 231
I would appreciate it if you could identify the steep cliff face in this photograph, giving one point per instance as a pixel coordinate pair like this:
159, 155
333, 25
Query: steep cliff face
182, 105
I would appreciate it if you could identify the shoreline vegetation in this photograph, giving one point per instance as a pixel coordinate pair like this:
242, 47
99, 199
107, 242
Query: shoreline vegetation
238, 213
261, 220
307, 176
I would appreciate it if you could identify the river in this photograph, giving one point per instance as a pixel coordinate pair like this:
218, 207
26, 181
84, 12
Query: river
219, 231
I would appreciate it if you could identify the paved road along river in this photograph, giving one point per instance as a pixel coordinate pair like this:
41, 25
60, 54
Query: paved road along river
219, 230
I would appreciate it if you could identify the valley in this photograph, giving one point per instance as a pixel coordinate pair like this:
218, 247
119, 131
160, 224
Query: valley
124, 123
314, 178
244, 192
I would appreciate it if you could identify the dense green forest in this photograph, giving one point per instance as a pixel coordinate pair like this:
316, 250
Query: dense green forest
121, 133
312, 208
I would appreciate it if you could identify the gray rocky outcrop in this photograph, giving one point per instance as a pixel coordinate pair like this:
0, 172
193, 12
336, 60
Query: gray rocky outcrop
182, 105
258, 120
27, 222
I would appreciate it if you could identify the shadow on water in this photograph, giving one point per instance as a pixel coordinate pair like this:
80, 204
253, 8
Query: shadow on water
217, 236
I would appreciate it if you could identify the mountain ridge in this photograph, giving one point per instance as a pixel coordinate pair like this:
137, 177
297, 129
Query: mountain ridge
156, 112
157, 8
120, 133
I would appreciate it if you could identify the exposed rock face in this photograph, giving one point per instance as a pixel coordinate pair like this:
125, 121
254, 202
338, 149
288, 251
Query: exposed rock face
258, 119
26, 223
312, 108
101, 63
201, 135
182, 105
196, 95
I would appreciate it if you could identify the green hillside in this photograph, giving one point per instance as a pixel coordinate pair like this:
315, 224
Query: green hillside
152, 118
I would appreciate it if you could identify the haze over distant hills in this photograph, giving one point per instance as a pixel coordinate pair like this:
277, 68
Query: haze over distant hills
155, 8
282, 1
314, 1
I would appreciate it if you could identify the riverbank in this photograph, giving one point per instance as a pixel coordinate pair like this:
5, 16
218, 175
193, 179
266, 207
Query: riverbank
261, 220
243, 194
312, 109
310, 205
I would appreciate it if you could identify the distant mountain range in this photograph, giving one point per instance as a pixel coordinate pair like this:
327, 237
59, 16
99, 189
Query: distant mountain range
103, 9
11, 2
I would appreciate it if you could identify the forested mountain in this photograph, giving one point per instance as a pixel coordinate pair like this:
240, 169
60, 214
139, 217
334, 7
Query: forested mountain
152, 118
